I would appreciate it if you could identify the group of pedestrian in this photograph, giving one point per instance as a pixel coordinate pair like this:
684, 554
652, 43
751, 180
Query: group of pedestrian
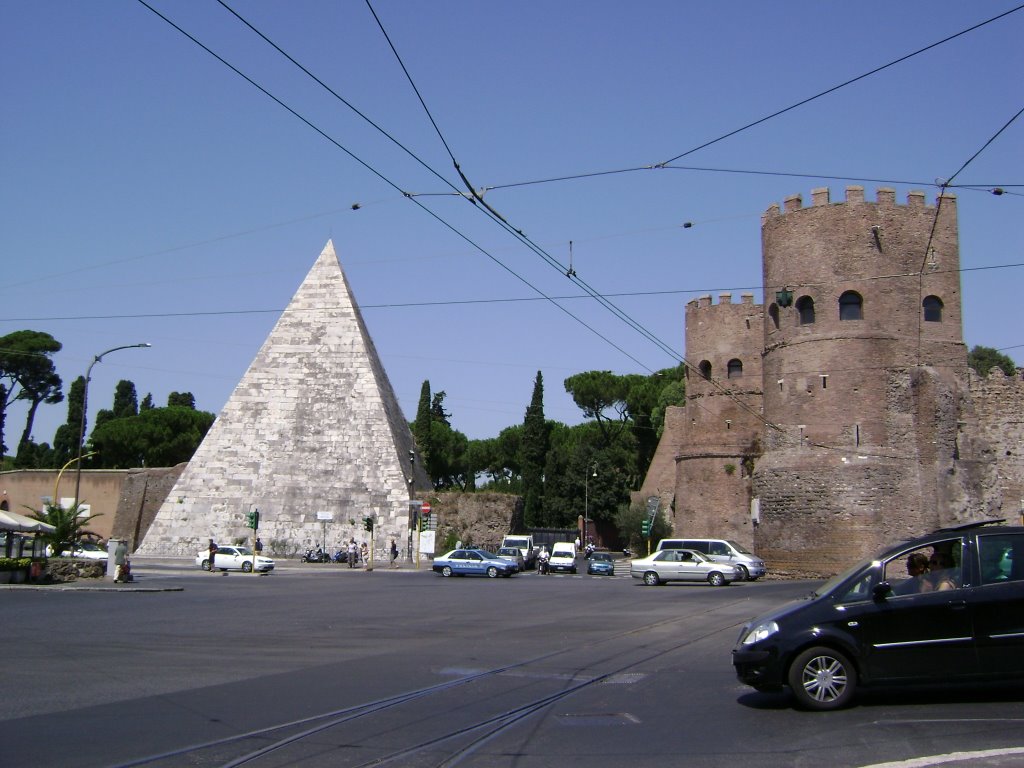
356, 553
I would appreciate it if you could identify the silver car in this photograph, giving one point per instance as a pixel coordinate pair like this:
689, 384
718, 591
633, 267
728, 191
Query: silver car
513, 555
682, 565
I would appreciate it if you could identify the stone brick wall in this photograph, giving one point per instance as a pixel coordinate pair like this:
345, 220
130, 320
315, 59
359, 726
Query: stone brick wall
477, 519
873, 429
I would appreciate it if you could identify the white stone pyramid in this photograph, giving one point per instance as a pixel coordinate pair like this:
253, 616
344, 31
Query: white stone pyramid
313, 431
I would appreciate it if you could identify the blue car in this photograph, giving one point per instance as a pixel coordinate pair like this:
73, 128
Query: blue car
478, 562
601, 564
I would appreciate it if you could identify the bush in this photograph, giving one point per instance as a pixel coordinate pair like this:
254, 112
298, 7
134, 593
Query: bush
14, 563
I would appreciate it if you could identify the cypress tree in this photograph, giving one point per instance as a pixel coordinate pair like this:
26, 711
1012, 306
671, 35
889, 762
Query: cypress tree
533, 455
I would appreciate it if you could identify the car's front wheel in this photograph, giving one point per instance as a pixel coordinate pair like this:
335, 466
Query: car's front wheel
744, 574
651, 579
715, 579
822, 679
492, 572
246, 567
446, 571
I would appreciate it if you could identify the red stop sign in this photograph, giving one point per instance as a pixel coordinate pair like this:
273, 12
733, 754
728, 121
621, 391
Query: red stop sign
425, 509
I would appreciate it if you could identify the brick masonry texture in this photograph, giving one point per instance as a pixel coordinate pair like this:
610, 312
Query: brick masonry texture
313, 427
850, 433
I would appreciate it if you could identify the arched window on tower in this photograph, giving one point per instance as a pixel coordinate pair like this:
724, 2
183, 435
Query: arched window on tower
735, 369
805, 308
932, 309
705, 369
773, 313
851, 306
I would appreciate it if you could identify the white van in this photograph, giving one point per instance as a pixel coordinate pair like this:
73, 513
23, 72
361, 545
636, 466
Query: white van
563, 557
749, 565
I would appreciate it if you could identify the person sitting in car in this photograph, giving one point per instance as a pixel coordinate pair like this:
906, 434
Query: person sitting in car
942, 572
917, 573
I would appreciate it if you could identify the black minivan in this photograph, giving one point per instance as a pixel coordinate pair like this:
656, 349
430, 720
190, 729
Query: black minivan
947, 607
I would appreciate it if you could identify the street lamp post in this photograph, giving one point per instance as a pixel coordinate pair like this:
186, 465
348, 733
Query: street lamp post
586, 501
85, 403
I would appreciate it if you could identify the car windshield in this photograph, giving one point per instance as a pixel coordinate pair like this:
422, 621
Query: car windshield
487, 555
739, 548
839, 578
90, 547
601, 556
244, 550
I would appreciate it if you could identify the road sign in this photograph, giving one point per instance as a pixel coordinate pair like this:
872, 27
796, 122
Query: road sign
425, 509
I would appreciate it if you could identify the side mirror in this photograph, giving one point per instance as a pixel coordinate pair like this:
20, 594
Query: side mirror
881, 591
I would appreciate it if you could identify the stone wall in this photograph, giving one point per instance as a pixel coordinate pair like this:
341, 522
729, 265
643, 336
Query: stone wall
476, 519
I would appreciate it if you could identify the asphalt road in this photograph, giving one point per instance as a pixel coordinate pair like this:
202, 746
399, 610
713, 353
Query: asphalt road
324, 665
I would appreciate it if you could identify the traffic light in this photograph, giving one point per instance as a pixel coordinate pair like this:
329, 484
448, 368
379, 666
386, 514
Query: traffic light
645, 527
368, 524
253, 519
425, 520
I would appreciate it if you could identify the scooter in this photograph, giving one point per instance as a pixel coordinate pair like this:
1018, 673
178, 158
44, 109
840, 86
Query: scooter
341, 556
315, 556
542, 566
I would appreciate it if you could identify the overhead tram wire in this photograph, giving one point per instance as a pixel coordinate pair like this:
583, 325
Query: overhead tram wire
459, 302
478, 198
835, 88
935, 219
392, 184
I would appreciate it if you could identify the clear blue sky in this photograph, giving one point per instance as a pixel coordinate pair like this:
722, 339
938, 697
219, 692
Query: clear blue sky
149, 193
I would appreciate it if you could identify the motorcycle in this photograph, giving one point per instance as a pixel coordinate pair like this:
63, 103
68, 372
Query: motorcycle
542, 564
341, 556
315, 556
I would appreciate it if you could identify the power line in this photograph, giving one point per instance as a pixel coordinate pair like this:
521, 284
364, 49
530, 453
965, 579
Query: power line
835, 88
470, 302
390, 183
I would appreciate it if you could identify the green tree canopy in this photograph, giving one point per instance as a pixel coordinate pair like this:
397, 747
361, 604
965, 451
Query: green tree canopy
27, 373
533, 454
160, 437
180, 400
984, 359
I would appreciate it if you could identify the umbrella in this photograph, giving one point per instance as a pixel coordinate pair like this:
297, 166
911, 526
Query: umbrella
12, 521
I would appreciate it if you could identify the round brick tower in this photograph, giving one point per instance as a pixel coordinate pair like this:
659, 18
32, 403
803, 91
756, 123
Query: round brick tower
863, 360
722, 419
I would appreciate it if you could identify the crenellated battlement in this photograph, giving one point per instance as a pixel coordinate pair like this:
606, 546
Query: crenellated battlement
724, 299
885, 198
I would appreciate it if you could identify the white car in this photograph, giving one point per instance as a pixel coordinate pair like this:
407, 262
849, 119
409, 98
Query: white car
234, 559
86, 550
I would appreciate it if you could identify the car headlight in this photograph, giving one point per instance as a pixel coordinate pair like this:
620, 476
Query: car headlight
760, 632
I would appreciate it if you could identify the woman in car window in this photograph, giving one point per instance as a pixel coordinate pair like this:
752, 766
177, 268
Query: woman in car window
942, 576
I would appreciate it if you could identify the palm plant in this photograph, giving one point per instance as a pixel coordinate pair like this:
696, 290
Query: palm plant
69, 527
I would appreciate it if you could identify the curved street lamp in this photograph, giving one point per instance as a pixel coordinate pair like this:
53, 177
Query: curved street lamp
586, 501
85, 403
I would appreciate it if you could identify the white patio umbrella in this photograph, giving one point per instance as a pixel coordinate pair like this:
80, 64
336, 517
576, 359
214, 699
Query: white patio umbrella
12, 521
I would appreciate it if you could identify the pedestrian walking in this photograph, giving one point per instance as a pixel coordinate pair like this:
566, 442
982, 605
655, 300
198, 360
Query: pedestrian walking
394, 554
353, 553
212, 549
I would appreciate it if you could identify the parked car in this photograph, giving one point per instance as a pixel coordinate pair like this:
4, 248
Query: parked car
525, 546
747, 563
601, 564
515, 556
682, 565
234, 559
563, 557
87, 550
941, 608
466, 562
